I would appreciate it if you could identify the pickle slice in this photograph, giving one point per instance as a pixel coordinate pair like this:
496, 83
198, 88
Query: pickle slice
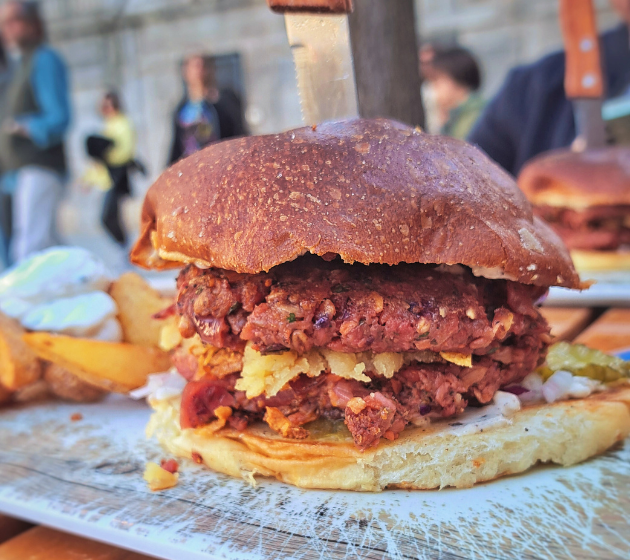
583, 361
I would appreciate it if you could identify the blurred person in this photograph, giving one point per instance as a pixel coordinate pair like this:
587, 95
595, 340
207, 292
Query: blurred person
531, 113
5, 197
113, 152
34, 118
205, 114
432, 122
454, 79
4, 71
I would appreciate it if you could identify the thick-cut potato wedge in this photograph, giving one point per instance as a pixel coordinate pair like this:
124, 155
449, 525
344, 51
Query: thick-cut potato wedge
114, 366
36, 392
137, 303
68, 386
5, 395
19, 365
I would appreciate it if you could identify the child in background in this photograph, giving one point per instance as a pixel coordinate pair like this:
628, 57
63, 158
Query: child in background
454, 79
113, 154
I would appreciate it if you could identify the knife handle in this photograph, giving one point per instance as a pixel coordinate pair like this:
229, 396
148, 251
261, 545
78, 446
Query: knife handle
313, 6
583, 74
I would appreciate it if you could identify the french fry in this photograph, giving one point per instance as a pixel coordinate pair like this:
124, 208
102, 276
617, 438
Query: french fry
69, 387
19, 365
5, 395
118, 367
35, 392
137, 304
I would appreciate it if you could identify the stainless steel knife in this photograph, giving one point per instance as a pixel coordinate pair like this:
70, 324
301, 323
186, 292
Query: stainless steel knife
319, 37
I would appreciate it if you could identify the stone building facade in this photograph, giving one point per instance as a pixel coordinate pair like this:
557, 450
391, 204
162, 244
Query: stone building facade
136, 46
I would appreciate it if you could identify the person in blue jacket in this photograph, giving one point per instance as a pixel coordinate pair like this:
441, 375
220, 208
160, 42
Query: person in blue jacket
531, 113
34, 118
5, 206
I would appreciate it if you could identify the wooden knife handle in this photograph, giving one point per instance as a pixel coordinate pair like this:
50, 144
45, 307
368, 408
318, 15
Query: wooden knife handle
583, 75
314, 6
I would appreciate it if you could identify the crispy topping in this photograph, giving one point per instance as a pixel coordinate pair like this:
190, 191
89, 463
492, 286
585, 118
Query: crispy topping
281, 424
159, 478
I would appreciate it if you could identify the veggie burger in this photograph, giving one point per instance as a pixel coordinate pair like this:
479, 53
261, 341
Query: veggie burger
353, 298
585, 198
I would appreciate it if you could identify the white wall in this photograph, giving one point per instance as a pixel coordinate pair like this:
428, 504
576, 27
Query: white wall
136, 46
141, 56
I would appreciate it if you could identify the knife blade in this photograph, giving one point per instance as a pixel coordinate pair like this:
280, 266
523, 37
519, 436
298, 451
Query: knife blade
319, 37
583, 80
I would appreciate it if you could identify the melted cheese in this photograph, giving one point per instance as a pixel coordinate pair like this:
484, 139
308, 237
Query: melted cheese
269, 374
170, 337
159, 478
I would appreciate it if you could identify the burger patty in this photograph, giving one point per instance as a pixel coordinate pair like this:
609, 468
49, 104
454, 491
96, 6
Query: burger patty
381, 408
594, 228
354, 308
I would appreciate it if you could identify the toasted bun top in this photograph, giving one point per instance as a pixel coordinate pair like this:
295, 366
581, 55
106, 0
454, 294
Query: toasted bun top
578, 180
372, 191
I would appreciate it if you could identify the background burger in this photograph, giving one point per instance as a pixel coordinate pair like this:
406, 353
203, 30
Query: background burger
348, 291
585, 197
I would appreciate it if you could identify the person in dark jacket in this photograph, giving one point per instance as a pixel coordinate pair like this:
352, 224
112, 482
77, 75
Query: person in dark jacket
205, 114
531, 113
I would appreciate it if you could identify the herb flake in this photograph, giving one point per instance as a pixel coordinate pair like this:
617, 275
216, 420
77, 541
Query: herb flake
291, 318
339, 288
234, 307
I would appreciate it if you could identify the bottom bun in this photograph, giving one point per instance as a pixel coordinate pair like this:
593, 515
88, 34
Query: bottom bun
593, 261
479, 446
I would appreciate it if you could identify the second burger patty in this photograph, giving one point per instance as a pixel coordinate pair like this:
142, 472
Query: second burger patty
604, 228
313, 303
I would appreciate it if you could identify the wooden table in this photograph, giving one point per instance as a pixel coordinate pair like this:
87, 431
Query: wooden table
610, 333
22, 541
567, 322
42, 543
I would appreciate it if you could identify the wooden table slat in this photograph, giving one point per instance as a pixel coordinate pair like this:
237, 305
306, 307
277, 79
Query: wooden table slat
610, 333
566, 322
10, 527
42, 543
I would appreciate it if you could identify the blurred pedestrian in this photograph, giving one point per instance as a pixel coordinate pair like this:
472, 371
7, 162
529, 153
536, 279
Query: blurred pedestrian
432, 122
34, 119
205, 114
113, 153
4, 72
5, 198
454, 79
531, 113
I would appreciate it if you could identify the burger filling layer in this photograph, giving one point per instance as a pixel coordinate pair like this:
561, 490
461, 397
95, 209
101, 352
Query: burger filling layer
594, 228
378, 347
